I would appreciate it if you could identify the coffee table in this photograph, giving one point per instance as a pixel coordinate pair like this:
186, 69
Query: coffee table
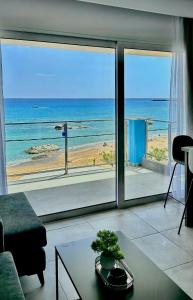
150, 283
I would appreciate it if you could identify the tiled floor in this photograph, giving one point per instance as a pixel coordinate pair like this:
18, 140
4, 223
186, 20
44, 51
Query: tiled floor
151, 227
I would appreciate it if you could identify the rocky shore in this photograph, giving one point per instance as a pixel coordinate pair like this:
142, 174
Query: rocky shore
42, 149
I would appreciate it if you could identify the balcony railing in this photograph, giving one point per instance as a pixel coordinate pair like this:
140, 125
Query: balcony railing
67, 135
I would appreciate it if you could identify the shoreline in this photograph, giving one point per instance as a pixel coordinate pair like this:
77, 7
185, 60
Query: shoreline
70, 149
151, 136
84, 155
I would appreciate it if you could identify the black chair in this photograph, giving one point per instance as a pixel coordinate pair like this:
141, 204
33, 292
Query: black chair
178, 155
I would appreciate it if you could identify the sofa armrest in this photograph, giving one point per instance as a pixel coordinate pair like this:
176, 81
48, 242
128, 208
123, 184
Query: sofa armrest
1, 236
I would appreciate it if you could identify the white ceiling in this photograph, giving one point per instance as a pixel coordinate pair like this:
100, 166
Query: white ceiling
76, 18
183, 8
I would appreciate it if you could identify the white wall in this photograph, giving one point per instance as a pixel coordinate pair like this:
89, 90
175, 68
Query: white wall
77, 18
181, 8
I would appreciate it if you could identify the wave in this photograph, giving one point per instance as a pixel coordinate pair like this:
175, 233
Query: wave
40, 107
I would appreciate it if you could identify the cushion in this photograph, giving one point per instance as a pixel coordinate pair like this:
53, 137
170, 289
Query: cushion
22, 228
10, 287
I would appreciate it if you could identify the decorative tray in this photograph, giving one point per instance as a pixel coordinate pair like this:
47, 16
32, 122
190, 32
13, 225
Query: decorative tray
104, 275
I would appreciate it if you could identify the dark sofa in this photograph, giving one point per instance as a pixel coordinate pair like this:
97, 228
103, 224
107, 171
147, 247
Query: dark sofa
10, 287
23, 235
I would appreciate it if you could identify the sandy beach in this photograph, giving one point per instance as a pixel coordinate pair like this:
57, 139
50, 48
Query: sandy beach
85, 156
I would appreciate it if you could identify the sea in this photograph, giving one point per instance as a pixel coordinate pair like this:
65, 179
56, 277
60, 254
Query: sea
31, 122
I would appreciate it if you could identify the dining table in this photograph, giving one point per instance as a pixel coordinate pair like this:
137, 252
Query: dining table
188, 178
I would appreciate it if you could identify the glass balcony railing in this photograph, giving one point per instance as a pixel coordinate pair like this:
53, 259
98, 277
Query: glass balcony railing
157, 141
75, 146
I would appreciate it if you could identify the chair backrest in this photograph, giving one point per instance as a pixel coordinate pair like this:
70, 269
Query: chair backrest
190, 159
179, 142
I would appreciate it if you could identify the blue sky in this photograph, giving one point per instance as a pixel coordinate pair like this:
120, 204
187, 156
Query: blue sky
32, 72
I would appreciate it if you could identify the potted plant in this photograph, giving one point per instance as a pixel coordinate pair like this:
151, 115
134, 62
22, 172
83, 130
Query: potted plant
106, 245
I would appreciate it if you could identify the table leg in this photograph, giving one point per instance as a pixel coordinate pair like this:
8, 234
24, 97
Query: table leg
56, 263
188, 179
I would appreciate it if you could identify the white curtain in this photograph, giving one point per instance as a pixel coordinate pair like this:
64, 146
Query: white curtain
3, 175
178, 104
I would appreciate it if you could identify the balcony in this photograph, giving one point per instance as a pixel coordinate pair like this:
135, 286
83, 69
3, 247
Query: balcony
78, 170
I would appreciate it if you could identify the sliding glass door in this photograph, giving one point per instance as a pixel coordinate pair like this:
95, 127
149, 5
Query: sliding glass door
147, 92
60, 123
59, 103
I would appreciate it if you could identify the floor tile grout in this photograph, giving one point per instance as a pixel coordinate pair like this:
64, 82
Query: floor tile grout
140, 237
159, 231
146, 222
70, 225
178, 265
181, 247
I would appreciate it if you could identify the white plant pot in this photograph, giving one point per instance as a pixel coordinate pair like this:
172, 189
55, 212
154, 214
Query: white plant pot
107, 262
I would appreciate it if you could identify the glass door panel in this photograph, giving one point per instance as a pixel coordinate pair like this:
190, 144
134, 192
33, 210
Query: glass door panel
147, 91
60, 123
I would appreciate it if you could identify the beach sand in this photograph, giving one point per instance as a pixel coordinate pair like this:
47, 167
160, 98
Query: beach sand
158, 141
84, 156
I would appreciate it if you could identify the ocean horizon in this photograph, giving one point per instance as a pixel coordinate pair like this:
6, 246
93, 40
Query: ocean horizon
30, 110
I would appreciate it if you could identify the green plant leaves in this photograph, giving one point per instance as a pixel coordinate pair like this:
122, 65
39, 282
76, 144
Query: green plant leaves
106, 243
